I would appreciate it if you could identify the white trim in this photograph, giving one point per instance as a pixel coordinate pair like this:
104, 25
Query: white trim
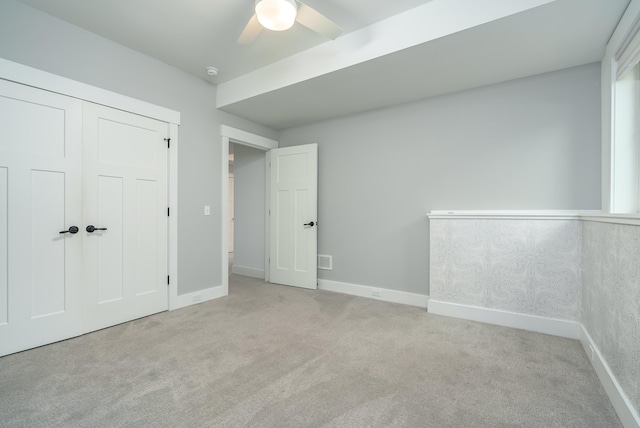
200, 296
43, 80
607, 99
625, 43
583, 215
628, 416
377, 293
632, 219
224, 217
555, 327
173, 216
628, 58
623, 29
247, 138
501, 217
247, 271
267, 216
510, 214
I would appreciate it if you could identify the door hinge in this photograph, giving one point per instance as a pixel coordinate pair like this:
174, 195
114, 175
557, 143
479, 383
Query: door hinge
167, 211
168, 140
167, 279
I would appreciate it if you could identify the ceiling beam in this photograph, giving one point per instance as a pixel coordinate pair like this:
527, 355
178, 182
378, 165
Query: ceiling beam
431, 21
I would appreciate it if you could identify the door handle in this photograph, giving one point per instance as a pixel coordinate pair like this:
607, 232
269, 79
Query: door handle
309, 224
91, 228
72, 229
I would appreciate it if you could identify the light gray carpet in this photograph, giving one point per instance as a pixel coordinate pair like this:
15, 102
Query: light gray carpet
275, 356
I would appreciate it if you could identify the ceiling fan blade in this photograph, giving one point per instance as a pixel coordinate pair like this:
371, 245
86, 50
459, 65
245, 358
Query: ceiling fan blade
251, 31
314, 20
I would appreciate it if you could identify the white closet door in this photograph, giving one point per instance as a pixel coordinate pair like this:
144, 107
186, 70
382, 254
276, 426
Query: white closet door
40, 196
125, 192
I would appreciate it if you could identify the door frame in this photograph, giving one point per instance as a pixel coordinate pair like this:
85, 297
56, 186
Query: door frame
238, 136
25, 75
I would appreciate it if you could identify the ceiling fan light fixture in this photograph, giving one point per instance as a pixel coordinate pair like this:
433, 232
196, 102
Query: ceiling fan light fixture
276, 15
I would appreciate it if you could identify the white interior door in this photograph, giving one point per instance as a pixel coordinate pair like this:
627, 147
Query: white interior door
125, 192
40, 196
293, 219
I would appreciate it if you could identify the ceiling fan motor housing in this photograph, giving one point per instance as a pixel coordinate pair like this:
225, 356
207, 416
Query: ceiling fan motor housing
276, 15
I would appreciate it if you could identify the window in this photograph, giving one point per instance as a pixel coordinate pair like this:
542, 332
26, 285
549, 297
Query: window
625, 153
621, 115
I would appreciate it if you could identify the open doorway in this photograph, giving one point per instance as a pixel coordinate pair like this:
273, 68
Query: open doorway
285, 214
240, 139
247, 200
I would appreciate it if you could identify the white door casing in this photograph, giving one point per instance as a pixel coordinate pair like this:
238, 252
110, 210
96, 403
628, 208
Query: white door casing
231, 213
40, 196
125, 191
238, 136
293, 218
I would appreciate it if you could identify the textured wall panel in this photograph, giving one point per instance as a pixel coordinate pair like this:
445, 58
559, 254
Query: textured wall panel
611, 299
524, 266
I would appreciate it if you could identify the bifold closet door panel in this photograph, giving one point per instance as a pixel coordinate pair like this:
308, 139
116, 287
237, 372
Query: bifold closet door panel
125, 193
40, 197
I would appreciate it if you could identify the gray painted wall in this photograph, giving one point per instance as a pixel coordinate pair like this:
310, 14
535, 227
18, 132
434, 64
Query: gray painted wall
611, 299
531, 143
30, 37
249, 170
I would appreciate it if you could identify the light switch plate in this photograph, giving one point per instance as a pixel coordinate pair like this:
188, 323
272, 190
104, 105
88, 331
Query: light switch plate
207, 210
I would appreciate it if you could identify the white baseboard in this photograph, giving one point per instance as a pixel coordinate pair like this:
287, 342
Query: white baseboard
385, 294
247, 271
555, 327
628, 416
196, 297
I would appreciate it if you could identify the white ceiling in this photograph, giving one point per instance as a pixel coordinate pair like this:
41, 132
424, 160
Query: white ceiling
392, 51
194, 34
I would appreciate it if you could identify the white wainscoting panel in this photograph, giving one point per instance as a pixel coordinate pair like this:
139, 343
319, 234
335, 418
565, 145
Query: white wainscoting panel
611, 299
529, 267
572, 275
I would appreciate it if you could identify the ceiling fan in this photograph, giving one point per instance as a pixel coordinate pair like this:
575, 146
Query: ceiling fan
280, 15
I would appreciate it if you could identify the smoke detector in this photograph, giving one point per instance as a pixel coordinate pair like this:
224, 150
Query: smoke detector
212, 71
